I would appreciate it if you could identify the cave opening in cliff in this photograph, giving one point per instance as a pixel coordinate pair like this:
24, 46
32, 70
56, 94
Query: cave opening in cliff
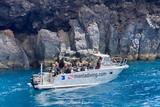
28, 28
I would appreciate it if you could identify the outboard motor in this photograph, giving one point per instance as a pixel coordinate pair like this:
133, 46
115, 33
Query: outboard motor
35, 80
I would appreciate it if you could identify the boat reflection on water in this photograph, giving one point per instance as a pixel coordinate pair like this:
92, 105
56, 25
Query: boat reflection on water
75, 96
69, 96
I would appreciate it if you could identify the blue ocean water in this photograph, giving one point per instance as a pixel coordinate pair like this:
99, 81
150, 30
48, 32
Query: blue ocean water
138, 86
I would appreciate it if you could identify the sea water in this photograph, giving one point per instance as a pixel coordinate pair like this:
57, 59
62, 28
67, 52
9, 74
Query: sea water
138, 86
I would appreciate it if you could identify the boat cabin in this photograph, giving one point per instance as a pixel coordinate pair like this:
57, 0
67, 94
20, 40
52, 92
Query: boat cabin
105, 59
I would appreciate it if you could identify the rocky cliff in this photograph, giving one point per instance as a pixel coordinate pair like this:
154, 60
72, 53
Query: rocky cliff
40, 29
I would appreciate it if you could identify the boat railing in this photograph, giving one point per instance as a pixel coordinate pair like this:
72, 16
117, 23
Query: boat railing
119, 60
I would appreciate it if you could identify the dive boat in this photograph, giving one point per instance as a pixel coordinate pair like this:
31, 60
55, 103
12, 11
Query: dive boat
108, 71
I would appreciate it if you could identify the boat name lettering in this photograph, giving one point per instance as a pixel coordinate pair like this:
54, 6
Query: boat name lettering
89, 75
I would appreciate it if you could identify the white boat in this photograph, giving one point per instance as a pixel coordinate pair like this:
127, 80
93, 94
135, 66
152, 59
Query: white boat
108, 71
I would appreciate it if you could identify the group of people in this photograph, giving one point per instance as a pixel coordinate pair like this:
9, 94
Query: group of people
74, 65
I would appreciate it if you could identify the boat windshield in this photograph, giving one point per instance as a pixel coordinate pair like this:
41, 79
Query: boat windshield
106, 61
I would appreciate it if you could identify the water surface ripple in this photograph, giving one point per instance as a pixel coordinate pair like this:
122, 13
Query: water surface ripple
138, 86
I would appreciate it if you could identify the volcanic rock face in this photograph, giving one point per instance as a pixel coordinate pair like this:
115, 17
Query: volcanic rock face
97, 16
64, 41
28, 44
77, 36
11, 55
32, 15
93, 36
43, 28
48, 45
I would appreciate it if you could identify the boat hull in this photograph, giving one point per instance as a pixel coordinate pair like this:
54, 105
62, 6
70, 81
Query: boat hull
80, 79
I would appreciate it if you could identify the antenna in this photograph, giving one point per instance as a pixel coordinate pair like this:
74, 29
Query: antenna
41, 73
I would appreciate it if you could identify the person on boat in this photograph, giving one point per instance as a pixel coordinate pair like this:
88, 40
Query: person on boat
75, 65
50, 74
53, 65
57, 70
61, 63
99, 63
68, 68
79, 62
83, 67
90, 65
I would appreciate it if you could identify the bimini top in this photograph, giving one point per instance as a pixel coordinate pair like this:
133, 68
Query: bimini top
100, 55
